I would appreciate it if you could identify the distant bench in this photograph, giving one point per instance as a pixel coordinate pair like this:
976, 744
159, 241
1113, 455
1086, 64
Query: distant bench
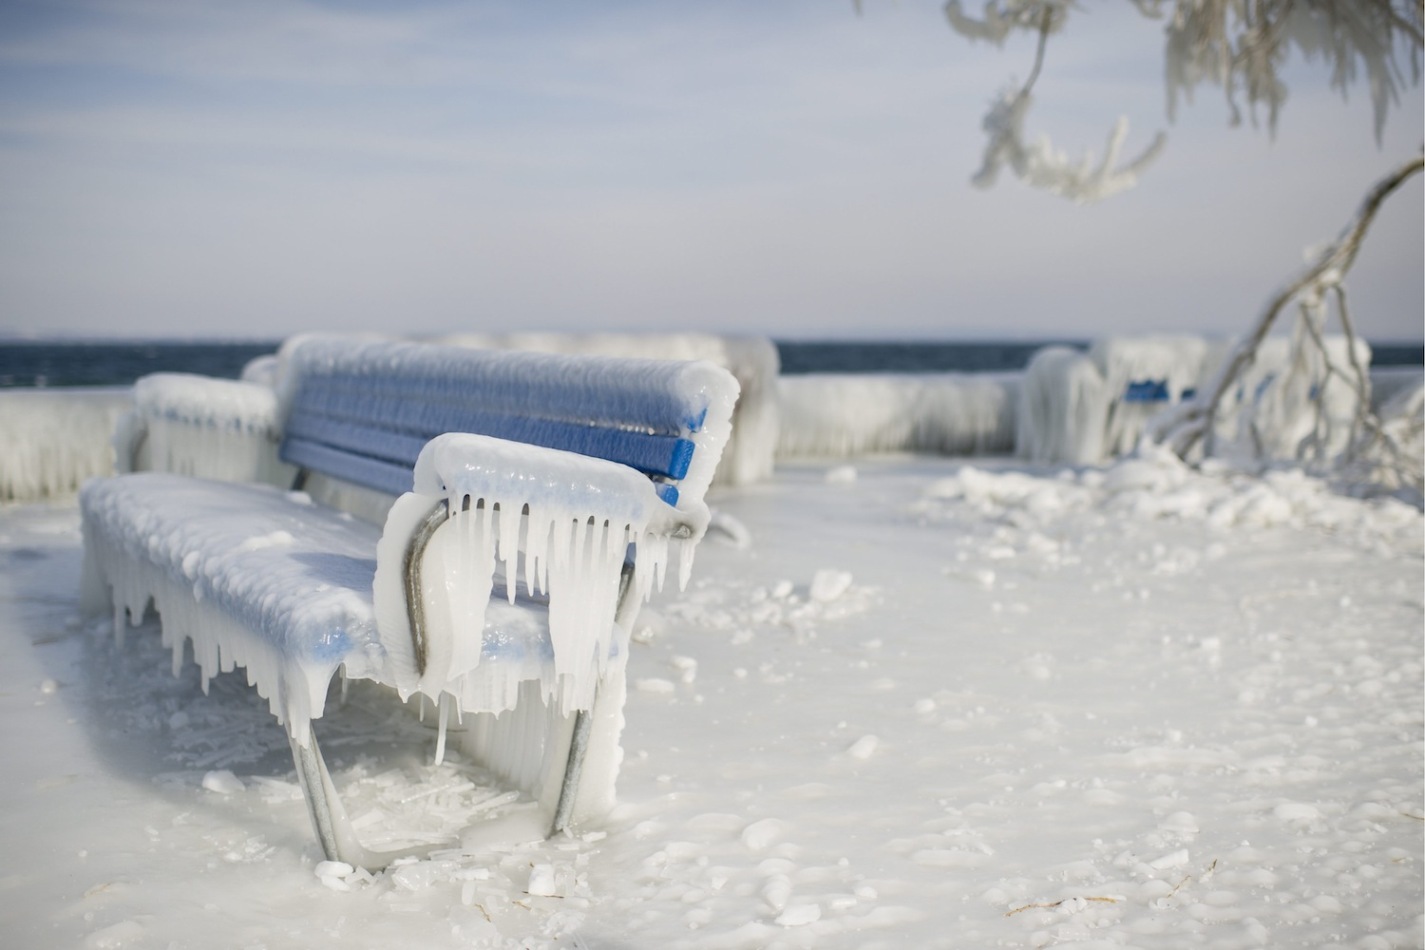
558, 484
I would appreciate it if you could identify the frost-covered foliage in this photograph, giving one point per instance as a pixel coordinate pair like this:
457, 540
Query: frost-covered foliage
1238, 45
1287, 405
1091, 408
1319, 293
1403, 418
1039, 164
55, 439
832, 414
198, 425
753, 362
1241, 46
1000, 18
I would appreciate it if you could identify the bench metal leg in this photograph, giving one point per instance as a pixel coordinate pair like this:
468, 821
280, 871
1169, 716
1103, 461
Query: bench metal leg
584, 718
569, 788
334, 831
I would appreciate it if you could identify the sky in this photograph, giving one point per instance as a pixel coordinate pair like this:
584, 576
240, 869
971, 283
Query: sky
798, 169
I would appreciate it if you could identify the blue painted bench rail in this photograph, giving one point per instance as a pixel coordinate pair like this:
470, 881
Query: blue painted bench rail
1146, 390
370, 416
260, 577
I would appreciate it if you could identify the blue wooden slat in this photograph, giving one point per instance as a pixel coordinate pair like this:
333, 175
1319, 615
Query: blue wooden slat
545, 393
361, 439
1146, 390
384, 476
367, 423
381, 428
407, 407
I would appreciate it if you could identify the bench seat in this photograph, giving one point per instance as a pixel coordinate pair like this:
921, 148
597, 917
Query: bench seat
264, 579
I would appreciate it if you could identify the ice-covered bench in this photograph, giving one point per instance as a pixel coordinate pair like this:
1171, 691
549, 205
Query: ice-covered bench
539, 499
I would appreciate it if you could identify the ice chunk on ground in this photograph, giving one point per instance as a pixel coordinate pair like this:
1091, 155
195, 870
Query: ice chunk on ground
222, 782
762, 834
828, 584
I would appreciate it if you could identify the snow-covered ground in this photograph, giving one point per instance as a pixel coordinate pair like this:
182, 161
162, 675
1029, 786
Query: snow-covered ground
917, 703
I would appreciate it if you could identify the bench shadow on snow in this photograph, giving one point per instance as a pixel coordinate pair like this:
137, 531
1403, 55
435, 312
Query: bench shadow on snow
162, 732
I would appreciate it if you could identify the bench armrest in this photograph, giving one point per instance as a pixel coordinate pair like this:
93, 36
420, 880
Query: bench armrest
560, 523
200, 425
466, 469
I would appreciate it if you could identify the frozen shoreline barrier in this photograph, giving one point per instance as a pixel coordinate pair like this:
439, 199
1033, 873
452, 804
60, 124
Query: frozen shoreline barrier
843, 414
1067, 407
54, 439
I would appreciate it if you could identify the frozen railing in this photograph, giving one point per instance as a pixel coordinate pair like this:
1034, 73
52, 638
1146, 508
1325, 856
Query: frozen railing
54, 439
841, 414
1088, 408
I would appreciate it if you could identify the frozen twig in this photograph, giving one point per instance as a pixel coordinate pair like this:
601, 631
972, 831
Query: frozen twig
1050, 905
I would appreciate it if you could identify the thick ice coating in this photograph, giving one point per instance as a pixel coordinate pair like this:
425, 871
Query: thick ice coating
539, 398
837, 414
54, 439
293, 591
558, 524
197, 425
753, 361
253, 576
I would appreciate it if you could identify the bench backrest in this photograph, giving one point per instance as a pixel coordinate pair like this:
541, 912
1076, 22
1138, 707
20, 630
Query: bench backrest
361, 410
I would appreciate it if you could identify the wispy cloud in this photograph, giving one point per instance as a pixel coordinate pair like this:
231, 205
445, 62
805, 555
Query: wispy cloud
788, 168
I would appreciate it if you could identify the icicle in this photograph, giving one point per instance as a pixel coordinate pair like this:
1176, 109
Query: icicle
442, 704
510, 543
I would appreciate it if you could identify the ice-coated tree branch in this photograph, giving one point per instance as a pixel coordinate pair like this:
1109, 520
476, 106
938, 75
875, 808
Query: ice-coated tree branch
1038, 163
1238, 45
1186, 426
1241, 45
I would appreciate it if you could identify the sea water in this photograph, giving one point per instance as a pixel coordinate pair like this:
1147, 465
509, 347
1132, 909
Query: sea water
39, 364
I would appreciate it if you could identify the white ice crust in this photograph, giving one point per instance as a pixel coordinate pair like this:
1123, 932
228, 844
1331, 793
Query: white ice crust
1062, 409
842, 414
692, 399
198, 425
294, 591
1073, 406
543, 525
254, 576
54, 439
753, 361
